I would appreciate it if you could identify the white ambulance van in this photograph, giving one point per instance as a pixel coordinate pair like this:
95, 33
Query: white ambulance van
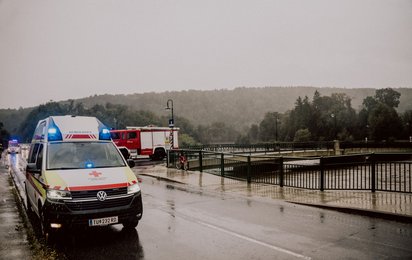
76, 176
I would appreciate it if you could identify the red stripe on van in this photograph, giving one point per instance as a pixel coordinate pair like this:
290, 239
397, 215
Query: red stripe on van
80, 136
99, 187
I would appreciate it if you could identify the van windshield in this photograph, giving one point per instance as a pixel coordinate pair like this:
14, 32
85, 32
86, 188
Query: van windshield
79, 155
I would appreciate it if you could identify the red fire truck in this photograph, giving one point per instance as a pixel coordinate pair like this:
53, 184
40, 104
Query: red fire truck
151, 141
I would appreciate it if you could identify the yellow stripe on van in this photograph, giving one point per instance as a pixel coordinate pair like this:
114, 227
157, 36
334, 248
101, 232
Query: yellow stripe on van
131, 178
38, 186
54, 181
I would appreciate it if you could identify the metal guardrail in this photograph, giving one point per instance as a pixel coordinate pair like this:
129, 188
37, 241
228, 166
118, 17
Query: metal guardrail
299, 146
371, 171
263, 147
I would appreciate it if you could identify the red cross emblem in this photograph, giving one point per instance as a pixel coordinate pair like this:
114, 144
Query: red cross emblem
95, 173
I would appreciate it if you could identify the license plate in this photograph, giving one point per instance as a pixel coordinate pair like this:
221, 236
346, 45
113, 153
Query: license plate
103, 221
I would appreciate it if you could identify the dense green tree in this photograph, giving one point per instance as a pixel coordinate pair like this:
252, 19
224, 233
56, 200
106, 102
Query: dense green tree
302, 135
326, 118
253, 133
186, 140
388, 97
4, 136
269, 127
383, 121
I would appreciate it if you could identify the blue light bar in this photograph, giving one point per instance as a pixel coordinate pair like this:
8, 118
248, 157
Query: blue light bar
53, 132
104, 132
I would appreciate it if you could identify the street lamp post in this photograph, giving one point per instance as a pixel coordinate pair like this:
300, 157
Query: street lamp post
334, 121
276, 126
171, 121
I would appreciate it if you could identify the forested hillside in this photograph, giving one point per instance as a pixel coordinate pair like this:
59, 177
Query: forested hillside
235, 110
239, 107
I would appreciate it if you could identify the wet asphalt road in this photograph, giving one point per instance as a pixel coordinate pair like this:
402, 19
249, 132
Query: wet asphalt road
185, 222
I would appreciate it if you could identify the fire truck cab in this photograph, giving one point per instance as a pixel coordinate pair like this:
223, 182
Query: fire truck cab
76, 176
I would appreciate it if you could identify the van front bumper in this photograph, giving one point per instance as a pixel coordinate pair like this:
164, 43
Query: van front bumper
78, 213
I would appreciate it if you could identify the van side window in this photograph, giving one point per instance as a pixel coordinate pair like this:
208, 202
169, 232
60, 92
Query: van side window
33, 153
39, 161
39, 132
131, 135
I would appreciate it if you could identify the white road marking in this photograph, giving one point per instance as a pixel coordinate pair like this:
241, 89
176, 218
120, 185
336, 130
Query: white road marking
254, 241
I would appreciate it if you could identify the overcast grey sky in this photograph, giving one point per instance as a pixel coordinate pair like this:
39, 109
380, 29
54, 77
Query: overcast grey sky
57, 50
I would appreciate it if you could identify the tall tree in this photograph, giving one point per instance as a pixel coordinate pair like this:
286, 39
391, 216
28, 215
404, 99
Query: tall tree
268, 127
388, 97
383, 122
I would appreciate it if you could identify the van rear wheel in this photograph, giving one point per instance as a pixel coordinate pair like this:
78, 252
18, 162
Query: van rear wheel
28, 205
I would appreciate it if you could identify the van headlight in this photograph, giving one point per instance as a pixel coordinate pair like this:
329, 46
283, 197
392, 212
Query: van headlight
132, 189
59, 195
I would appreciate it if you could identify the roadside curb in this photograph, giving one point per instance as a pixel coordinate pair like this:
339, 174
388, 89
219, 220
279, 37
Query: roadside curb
358, 211
162, 178
22, 207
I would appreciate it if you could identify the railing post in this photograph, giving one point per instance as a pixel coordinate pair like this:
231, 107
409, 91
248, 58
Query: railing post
168, 158
248, 176
373, 173
281, 177
222, 165
322, 174
200, 161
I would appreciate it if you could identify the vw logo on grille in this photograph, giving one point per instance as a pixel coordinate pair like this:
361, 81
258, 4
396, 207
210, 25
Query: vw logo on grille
101, 195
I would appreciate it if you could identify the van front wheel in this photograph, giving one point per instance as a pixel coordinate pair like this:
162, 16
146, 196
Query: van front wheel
45, 229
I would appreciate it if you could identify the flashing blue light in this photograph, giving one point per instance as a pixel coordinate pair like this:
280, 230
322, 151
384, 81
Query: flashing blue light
89, 164
105, 134
53, 133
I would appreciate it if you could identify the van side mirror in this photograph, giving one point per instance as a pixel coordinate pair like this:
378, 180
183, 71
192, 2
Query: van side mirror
125, 152
131, 163
32, 168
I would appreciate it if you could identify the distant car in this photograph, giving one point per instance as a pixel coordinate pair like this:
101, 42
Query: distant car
14, 147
